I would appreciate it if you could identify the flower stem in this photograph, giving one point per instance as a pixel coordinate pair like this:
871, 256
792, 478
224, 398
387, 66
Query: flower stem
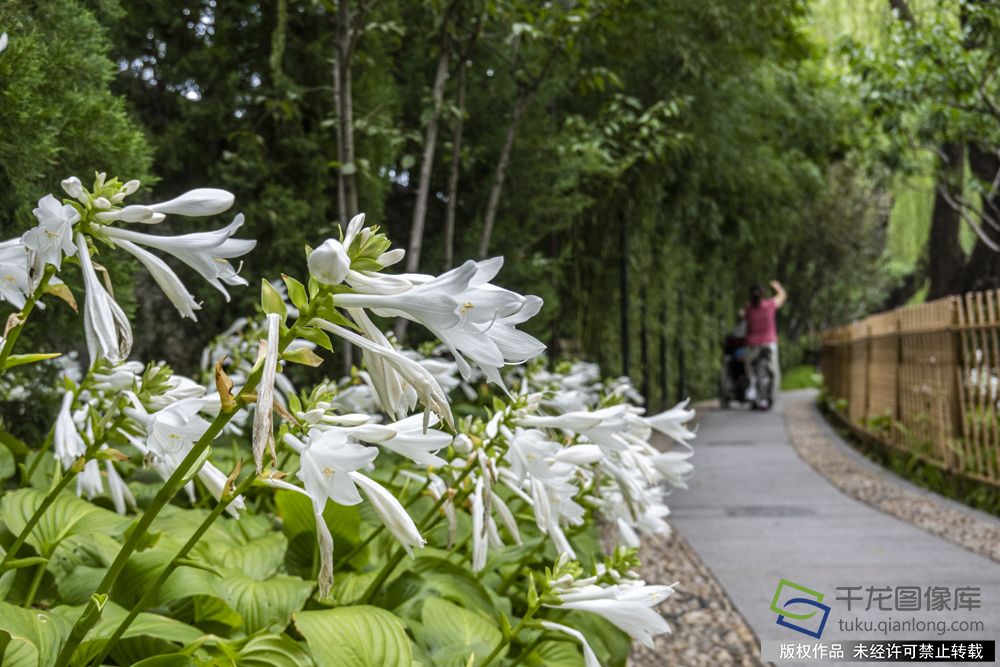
90, 615
174, 563
22, 317
29, 598
505, 641
509, 579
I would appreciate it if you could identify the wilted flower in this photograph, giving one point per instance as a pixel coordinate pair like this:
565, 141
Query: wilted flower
107, 329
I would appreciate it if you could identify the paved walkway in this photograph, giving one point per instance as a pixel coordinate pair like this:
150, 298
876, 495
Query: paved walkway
756, 513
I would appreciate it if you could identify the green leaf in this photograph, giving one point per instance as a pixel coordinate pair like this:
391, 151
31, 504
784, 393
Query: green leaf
317, 336
360, 636
271, 301
274, 651
65, 517
296, 291
16, 446
452, 634
35, 636
265, 605
7, 465
24, 359
442, 578
304, 356
555, 654
169, 660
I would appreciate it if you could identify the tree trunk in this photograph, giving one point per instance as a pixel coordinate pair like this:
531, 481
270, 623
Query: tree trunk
347, 192
983, 268
427, 162
945, 258
454, 171
520, 105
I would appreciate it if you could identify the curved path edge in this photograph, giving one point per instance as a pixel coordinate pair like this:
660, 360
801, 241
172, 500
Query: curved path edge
819, 445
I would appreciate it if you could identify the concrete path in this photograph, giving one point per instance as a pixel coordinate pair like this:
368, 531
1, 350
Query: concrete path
756, 514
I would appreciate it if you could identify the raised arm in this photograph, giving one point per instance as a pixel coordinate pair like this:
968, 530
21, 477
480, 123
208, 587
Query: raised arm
780, 296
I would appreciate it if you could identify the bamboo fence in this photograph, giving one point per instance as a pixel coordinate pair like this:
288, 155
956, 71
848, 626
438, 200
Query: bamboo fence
925, 380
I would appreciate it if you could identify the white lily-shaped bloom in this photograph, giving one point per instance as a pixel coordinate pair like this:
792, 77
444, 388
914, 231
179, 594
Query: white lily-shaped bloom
480, 544
674, 467
472, 317
629, 605
179, 387
118, 378
170, 435
90, 483
53, 237
397, 397
166, 278
105, 325
671, 422
326, 463
329, 262
3, 42
415, 375
407, 438
589, 657
66, 440
263, 428
14, 286
391, 512
208, 253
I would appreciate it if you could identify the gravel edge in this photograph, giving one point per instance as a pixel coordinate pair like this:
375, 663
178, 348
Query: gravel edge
815, 443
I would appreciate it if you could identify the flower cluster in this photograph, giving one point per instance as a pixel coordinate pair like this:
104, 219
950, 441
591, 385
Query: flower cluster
512, 488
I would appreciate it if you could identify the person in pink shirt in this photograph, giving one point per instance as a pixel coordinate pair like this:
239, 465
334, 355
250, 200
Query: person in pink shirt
762, 332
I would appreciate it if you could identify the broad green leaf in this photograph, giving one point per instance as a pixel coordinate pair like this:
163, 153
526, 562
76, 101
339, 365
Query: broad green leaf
169, 660
361, 636
299, 526
67, 516
7, 466
149, 634
437, 576
13, 443
274, 651
451, 634
259, 558
35, 636
265, 605
555, 654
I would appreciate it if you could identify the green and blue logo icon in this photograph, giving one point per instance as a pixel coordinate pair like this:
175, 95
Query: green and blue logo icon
790, 603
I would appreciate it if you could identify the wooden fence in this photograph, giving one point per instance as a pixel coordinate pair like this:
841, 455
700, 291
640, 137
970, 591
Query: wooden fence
924, 380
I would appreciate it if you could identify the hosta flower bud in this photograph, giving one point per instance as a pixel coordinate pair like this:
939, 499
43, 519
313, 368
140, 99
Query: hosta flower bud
329, 263
195, 203
391, 257
102, 203
130, 187
74, 188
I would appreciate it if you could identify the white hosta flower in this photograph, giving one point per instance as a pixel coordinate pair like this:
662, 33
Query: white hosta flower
105, 325
672, 422
674, 467
627, 605
53, 236
480, 546
196, 203
329, 262
14, 286
121, 495
74, 188
397, 398
208, 253
89, 482
391, 512
66, 440
178, 388
415, 375
531, 453
134, 213
589, 657
3, 42
263, 428
122, 377
166, 278
407, 438
472, 317
326, 463
215, 481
